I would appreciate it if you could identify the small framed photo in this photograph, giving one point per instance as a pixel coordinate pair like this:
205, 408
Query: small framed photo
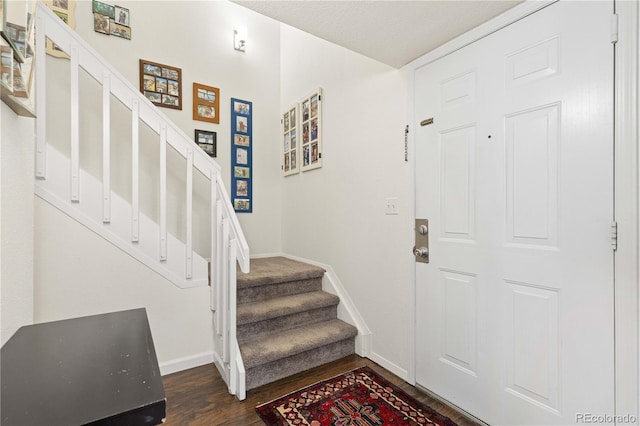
242, 188
241, 204
241, 108
121, 16
241, 125
206, 103
120, 30
242, 140
242, 172
6, 71
104, 9
161, 84
207, 141
101, 24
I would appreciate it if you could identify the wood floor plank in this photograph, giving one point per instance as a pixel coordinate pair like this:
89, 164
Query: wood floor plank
199, 396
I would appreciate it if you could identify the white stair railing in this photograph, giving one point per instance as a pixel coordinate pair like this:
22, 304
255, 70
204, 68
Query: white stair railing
228, 244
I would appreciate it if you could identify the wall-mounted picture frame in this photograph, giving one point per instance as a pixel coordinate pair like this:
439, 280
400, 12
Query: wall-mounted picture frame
206, 103
161, 84
6, 68
311, 123
111, 20
65, 10
101, 23
241, 155
121, 16
290, 146
207, 141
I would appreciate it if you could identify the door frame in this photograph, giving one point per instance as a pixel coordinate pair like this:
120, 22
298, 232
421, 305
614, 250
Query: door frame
626, 191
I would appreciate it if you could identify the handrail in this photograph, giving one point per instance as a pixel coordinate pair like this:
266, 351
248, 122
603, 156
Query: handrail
228, 243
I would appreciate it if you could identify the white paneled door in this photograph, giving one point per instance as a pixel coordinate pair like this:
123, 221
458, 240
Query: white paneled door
514, 311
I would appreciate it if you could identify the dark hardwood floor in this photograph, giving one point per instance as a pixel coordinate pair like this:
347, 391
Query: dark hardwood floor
199, 396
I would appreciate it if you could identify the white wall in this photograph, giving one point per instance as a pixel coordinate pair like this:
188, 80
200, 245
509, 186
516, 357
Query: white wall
77, 272
335, 215
16, 224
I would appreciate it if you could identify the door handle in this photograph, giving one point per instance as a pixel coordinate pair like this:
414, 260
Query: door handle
421, 249
421, 252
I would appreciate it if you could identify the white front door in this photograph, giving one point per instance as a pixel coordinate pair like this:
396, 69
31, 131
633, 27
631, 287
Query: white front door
514, 312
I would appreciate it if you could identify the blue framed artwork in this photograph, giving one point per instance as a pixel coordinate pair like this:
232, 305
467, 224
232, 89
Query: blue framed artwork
241, 158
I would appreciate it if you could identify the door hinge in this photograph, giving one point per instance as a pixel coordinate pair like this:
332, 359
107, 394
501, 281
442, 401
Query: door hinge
614, 28
614, 235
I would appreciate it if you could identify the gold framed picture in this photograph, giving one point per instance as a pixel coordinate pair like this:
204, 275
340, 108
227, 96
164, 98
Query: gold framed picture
206, 103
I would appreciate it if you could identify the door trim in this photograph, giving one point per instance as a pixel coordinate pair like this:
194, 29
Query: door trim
627, 185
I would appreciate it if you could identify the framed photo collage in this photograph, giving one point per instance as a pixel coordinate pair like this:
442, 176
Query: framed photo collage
241, 155
302, 135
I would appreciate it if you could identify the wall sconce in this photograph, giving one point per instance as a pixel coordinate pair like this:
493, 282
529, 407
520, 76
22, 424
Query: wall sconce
240, 38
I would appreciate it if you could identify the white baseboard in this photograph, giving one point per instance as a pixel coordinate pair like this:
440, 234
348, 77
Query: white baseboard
186, 363
388, 365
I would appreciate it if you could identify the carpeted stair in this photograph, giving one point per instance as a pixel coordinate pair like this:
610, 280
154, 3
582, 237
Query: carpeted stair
285, 322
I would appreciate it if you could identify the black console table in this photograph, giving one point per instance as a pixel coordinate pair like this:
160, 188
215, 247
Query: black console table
97, 370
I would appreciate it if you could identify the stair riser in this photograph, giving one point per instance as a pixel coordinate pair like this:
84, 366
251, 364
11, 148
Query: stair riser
287, 322
285, 367
264, 292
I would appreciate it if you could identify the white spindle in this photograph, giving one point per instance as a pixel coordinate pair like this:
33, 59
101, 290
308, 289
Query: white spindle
213, 267
225, 290
41, 98
163, 192
232, 316
219, 272
189, 230
75, 122
106, 148
135, 171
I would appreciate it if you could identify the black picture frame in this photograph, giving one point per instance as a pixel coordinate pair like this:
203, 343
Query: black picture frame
207, 141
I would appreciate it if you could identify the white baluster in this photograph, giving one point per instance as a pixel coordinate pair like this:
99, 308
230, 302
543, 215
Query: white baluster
135, 171
232, 317
75, 123
41, 98
106, 148
225, 290
189, 230
163, 191
219, 266
213, 266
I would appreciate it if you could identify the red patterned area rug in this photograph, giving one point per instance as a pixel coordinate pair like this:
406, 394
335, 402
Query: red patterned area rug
358, 398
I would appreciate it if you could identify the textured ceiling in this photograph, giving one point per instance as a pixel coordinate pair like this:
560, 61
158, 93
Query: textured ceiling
392, 32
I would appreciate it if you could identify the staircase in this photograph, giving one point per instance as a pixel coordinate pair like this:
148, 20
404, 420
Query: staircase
285, 322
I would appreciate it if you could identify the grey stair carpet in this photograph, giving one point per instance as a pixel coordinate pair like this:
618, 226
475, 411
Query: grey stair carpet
285, 322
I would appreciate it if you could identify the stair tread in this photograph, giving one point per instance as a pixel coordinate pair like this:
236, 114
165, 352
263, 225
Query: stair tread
286, 305
272, 270
265, 349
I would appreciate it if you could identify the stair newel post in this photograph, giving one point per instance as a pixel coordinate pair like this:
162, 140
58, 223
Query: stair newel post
135, 171
233, 372
106, 148
41, 97
189, 218
163, 192
75, 122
